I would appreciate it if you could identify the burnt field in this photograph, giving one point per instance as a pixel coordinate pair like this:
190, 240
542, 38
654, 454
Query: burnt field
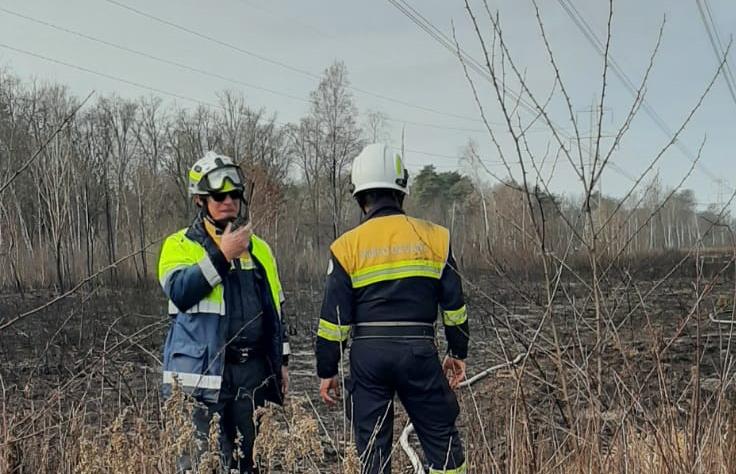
658, 355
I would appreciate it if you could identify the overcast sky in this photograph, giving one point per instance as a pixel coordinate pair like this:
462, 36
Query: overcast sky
398, 69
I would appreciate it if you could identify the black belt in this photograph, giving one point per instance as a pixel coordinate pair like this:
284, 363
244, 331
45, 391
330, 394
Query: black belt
393, 330
241, 355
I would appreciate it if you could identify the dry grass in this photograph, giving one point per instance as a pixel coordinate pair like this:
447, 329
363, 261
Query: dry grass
288, 439
499, 437
131, 444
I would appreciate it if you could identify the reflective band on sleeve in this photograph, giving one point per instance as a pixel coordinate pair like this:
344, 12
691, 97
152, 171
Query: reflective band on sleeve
455, 317
458, 470
287, 348
209, 271
165, 277
212, 382
333, 332
396, 271
204, 306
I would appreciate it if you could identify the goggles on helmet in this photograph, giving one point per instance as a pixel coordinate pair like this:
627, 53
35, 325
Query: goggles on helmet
215, 180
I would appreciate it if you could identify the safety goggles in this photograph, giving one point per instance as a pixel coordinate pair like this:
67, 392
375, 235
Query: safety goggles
234, 195
216, 178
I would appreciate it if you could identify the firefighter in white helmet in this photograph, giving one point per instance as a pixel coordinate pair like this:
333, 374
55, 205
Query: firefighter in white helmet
386, 279
227, 343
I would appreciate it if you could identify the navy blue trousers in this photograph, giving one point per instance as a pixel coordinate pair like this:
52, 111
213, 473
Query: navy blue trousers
383, 368
242, 392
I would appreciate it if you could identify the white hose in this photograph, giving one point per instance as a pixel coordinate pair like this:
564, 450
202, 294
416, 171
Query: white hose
404, 439
720, 321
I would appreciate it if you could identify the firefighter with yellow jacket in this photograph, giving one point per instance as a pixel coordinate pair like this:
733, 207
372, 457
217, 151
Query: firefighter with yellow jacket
386, 279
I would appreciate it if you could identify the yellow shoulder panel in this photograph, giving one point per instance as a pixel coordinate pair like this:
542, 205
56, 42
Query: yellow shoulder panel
392, 247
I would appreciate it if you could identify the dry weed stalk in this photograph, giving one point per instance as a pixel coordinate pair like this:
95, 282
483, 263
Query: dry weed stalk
210, 460
132, 444
291, 444
351, 460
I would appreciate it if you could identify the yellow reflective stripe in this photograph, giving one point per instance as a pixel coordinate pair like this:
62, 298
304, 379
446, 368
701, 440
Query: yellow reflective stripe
455, 317
395, 271
458, 470
262, 252
333, 332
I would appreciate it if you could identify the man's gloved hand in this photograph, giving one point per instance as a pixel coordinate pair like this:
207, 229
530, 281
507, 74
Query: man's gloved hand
454, 371
329, 385
234, 243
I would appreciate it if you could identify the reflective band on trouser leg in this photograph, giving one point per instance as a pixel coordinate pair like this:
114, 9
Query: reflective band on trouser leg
396, 271
455, 317
189, 380
333, 332
458, 470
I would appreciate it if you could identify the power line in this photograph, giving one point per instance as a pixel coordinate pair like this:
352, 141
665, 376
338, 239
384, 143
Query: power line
150, 56
108, 76
154, 89
441, 127
206, 73
720, 45
439, 36
204, 102
590, 35
451, 157
184, 66
715, 41
281, 15
214, 40
281, 64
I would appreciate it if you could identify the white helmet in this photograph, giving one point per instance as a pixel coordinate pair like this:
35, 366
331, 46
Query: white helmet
214, 173
377, 168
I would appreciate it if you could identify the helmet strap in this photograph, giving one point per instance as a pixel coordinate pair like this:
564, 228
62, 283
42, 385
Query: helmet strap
243, 213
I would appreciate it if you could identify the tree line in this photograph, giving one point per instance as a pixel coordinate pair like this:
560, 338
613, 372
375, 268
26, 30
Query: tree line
113, 181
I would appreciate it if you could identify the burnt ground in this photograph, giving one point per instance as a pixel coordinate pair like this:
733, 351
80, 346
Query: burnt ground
101, 347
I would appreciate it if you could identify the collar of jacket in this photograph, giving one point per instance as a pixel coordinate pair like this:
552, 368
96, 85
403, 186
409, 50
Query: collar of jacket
386, 207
